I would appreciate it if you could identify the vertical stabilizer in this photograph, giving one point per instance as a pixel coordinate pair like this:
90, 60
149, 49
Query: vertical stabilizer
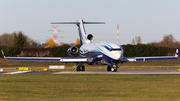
80, 36
82, 32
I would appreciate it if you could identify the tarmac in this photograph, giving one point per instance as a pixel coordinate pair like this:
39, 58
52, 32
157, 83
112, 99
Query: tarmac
128, 72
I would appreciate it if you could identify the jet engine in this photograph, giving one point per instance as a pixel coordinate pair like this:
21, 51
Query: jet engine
90, 37
72, 51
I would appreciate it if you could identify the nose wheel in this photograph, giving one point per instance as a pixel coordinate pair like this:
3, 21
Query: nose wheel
112, 68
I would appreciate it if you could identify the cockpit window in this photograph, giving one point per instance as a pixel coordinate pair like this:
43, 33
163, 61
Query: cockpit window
118, 49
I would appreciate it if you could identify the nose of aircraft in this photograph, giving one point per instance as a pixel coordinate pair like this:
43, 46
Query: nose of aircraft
117, 55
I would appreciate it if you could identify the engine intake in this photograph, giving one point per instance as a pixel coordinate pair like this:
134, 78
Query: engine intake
72, 51
90, 36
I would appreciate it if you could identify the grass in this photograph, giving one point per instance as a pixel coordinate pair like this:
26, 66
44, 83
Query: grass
106, 87
88, 87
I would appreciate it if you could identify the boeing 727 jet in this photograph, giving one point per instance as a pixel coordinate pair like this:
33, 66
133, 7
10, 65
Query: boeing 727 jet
107, 53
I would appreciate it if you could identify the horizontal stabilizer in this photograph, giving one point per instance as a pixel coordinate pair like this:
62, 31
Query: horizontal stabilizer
94, 22
65, 22
82, 33
77, 22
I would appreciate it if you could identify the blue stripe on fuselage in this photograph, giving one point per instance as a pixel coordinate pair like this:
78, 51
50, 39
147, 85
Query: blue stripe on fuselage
110, 46
100, 49
105, 58
106, 47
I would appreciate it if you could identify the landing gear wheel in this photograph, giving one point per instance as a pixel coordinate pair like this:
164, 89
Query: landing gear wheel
78, 68
115, 69
112, 69
83, 68
108, 68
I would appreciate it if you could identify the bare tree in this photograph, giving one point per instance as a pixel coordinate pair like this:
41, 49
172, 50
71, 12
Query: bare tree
133, 42
168, 41
6, 39
136, 40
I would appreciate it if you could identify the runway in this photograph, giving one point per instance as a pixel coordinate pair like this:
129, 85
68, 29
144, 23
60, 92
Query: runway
99, 72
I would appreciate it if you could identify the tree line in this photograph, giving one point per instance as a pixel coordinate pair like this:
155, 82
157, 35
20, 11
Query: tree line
18, 39
167, 41
10, 44
129, 50
141, 50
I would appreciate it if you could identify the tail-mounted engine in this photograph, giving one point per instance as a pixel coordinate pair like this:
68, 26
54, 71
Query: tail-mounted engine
90, 37
72, 51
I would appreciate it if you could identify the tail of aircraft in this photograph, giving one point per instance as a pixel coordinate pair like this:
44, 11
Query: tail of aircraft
84, 38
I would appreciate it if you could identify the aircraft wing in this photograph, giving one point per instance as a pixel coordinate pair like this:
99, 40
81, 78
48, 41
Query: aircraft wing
158, 58
49, 59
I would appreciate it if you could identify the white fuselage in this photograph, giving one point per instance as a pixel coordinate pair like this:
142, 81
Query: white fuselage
104, 53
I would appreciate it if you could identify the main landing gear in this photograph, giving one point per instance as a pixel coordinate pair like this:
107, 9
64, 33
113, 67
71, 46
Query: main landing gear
80, 67
112, 68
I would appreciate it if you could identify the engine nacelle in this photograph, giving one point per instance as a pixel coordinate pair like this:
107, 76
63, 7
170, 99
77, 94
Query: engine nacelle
90, 37
72, 51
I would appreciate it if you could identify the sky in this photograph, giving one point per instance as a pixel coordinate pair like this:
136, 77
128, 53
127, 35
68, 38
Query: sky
149, 19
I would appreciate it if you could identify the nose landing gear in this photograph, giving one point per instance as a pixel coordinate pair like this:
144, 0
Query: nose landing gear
112, 68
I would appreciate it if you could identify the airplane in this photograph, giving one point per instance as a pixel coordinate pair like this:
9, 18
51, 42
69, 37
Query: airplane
103, 53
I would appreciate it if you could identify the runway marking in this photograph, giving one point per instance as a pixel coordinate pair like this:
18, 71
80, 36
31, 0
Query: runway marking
150, 72
18, 72
120, 72
101, 72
